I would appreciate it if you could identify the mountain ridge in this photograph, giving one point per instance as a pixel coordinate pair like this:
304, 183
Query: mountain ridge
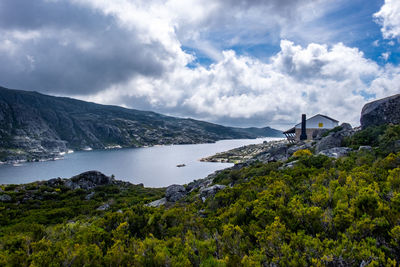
36, 126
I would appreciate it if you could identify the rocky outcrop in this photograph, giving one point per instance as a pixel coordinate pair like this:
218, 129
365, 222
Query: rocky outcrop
382, 111
104, 207
201, 183
210, 191
335, 152
265, 152
329, 143
275, 153
5, 198
365, 148
334, 138
175, 192
157, 203
87, 181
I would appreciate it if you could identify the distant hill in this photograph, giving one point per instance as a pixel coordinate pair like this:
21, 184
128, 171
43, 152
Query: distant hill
35, 126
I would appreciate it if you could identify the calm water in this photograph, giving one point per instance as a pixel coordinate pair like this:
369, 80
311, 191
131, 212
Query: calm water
152, 166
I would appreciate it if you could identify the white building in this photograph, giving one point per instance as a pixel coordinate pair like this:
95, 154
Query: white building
313, 126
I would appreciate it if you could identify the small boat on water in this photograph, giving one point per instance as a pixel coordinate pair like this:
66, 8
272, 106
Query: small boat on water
180, 165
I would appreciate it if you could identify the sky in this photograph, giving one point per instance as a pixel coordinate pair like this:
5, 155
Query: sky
232, 62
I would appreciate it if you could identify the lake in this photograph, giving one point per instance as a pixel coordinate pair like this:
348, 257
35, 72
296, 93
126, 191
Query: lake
152, 166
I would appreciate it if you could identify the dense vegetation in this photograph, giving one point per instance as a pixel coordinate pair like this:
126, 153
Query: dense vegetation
323, 211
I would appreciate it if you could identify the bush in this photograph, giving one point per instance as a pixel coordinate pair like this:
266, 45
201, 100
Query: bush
366, 137
302, 152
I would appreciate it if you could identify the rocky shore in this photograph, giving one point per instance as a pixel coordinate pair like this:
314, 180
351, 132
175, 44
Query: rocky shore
327, 143
244, 153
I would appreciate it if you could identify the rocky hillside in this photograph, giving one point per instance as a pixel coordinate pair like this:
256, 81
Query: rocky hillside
36, 126
308, 210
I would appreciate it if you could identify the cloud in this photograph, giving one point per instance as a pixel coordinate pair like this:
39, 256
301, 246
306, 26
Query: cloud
243, 90
61, 47
385, 56
133, 53
389, 17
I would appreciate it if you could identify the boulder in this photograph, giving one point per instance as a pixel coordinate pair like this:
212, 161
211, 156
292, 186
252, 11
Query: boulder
89, 180
275, 153
201, 183
334, 139
175, 192
5, 198
346, 127
104, 207
317, 135
365, 148
382, 111
210, 191
89, 196
335, 152
55, 182
288, 165
157, 203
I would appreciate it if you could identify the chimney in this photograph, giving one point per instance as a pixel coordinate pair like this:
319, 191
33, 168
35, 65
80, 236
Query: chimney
303, 135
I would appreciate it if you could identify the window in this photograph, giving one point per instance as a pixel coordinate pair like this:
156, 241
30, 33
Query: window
320, 125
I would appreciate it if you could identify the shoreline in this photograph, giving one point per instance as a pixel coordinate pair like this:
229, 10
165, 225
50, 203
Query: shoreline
60, 156
139, 177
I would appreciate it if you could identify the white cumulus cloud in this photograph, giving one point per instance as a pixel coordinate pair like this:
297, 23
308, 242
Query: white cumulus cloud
389, 17
312, 79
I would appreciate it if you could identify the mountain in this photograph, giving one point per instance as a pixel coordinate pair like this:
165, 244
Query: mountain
36, 126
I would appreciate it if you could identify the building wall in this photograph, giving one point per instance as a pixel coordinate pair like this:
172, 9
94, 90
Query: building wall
318, 122
311, 133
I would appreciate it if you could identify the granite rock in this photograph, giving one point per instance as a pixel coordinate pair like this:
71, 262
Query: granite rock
335, 152
5, 198
382, 111
175, 192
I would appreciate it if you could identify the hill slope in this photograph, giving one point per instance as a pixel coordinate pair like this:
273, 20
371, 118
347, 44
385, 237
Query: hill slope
320, 211
34, 126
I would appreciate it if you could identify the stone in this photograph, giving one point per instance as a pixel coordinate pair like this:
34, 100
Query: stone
288, 165
89, 196
210, 191
365, 263
157, 203
89, 180
335, 152
104, 207
275, 153
175, 192
365, 148
55, 182
5, 198
346, 127
382, 111
334, 139
319, 134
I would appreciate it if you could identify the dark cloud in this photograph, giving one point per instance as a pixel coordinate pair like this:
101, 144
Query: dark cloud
79, 51
29, 15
